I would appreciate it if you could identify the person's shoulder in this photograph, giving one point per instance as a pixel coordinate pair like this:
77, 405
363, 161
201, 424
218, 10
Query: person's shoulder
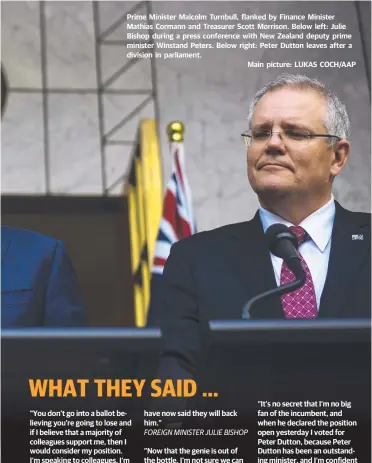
26, 237
361, 218
211, 237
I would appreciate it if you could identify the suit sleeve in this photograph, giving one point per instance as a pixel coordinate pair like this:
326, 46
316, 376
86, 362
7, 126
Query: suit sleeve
63, 304
183, 327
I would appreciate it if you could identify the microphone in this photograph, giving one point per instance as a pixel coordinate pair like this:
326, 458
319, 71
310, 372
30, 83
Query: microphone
284, 244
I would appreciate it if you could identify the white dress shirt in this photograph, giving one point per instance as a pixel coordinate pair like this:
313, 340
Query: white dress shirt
315, 250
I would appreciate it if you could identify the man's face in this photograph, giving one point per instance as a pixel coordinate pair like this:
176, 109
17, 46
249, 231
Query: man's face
280, 166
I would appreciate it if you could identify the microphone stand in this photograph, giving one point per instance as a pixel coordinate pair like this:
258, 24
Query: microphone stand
279, 291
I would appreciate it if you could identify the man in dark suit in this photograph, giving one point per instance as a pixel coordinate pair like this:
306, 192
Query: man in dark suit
297, 145
38, 283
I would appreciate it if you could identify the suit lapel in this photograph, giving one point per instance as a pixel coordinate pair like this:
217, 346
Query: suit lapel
6, 266
253, 267
346, 256
5, 241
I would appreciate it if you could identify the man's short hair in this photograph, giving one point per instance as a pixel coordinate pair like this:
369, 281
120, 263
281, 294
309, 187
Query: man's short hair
336, 119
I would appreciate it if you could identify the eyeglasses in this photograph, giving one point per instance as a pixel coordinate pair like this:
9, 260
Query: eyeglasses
289, 136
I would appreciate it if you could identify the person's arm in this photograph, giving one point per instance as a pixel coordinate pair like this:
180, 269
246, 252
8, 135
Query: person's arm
184, 328
182, 324
62, 305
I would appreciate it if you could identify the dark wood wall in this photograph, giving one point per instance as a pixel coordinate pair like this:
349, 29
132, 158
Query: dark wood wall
96, 234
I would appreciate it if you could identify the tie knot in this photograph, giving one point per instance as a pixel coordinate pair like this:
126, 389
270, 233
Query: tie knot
300, 233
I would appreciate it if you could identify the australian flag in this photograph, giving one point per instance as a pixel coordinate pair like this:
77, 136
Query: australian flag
177, 222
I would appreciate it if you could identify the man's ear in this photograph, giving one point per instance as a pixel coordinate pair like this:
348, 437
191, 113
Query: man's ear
341, 152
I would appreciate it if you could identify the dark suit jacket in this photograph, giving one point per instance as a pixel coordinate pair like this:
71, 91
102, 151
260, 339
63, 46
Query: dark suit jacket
38, 283
211, 275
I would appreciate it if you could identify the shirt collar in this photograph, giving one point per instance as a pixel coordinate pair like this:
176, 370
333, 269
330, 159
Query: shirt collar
318, 225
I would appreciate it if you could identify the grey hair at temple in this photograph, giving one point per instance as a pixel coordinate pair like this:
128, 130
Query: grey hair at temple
336, 119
